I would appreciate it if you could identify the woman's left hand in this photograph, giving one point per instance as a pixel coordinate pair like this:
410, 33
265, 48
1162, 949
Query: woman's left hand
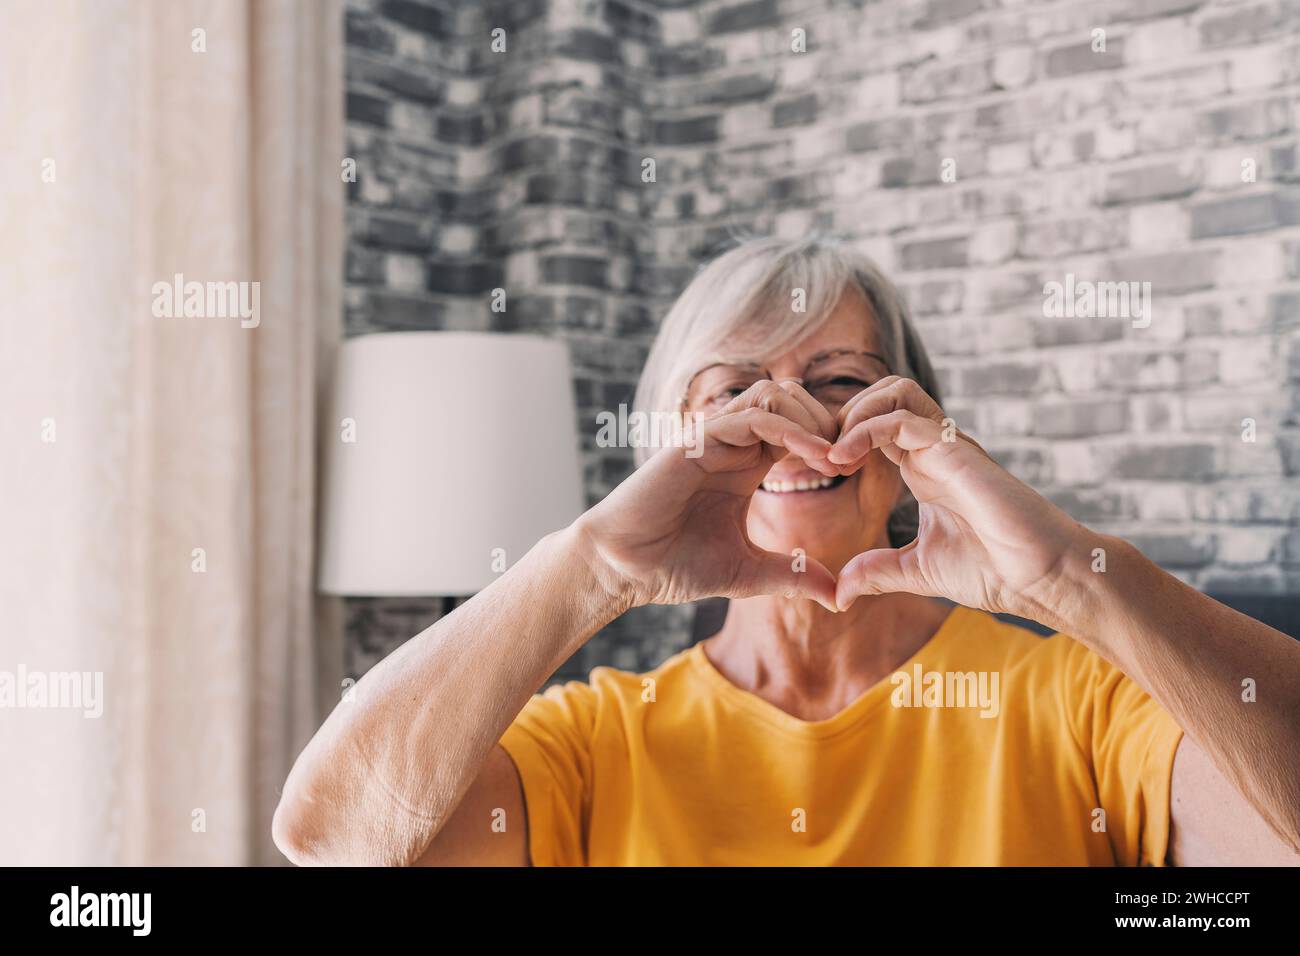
986, 539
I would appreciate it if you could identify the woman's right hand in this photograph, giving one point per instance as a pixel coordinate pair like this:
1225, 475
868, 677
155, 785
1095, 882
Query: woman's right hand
675, 530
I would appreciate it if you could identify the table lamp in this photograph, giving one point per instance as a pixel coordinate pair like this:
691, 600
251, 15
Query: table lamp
451, 454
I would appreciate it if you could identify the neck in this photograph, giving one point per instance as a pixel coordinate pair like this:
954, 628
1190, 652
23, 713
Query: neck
812, 663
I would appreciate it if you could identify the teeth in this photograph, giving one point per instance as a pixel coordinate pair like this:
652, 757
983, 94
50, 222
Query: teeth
803, 484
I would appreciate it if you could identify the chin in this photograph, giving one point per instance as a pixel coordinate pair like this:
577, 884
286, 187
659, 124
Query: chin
823, 516
827, 544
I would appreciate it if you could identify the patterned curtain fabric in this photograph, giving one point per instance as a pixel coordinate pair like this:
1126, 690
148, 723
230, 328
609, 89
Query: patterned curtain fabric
158, 490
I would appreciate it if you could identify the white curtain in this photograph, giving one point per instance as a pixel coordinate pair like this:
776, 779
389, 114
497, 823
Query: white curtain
157, 471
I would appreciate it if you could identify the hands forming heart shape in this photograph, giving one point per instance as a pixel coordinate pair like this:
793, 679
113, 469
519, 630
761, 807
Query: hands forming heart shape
675, 531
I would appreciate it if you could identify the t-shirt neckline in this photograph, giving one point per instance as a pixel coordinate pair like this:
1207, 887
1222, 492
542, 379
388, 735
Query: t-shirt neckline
867, 702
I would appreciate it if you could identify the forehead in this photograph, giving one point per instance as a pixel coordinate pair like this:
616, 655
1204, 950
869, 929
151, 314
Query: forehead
851, 325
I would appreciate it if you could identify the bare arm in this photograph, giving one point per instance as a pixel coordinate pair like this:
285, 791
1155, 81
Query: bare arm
1236, 789
382, 780
387, 769
1212, 824
988, 540
490, 824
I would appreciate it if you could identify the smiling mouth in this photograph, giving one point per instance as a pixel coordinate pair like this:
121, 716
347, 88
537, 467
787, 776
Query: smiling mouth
803, 484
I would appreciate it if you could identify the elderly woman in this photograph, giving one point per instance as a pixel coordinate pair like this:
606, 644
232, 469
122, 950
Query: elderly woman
843, 715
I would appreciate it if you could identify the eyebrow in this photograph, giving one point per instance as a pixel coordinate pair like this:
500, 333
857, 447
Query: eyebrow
832, 353
819, 357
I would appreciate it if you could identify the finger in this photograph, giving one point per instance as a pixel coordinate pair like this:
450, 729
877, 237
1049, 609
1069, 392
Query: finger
771, 397
881, 571
752, 425
907, 430
780, 574
826, 424
888, 395
871, 389
892, 452
889, 450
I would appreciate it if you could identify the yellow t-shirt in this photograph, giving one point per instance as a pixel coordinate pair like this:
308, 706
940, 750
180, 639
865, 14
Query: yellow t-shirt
1007, 757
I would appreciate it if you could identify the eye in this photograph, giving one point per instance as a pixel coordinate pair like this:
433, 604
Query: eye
837, 389
724, 396
841, 383
727, 393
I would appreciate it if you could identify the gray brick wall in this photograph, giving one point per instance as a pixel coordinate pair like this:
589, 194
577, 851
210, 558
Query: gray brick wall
522, 170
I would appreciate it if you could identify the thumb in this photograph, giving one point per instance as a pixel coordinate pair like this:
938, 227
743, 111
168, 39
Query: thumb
788, 575
880, 571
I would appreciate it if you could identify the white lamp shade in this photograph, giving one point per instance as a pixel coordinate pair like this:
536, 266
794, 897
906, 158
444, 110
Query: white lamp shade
462, 444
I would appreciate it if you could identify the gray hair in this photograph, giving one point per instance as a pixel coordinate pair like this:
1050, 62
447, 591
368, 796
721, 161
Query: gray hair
737, 309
